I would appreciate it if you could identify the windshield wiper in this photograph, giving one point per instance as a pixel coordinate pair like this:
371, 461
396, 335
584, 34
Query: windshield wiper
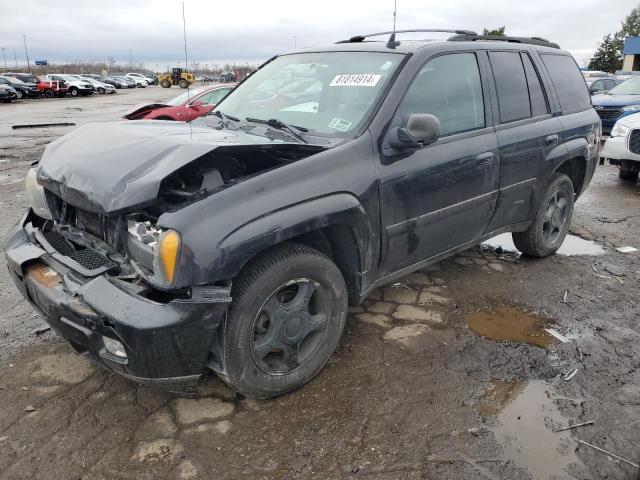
225, 118
297, 132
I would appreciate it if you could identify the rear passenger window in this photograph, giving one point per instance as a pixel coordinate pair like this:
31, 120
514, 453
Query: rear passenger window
568, 82
448, 87
511, 83
536, 94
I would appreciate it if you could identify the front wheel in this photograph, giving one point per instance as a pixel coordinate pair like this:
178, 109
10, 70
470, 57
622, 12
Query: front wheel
628, 174
288, 312
74, 92
48, 93
182, 83
165, 83
19, 94
551, 223
101, 90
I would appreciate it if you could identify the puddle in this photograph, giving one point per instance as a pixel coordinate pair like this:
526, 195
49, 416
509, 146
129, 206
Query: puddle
506, 324
572, 245
526, 416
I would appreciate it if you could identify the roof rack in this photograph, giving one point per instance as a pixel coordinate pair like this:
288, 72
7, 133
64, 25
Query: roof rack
361, 38
473, 37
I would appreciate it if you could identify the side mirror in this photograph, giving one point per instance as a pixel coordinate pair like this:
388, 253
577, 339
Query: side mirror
418, 130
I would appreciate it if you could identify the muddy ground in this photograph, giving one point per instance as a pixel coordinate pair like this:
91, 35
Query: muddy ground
412, 391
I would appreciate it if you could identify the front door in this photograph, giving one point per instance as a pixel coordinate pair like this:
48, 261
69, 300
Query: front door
442, 196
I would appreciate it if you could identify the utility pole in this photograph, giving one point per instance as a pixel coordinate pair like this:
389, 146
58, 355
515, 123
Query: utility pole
295, 42
24, 39
4, 58
131, 58
395, 9
15, 58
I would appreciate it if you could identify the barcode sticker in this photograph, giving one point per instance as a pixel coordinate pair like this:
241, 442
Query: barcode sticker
360, 80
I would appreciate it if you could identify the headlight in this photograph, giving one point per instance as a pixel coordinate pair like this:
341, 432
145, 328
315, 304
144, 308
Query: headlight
155, 248
619, 131
36, 192
631, 108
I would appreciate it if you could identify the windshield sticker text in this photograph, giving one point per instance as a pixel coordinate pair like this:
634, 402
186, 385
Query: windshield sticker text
340, 124
362, 80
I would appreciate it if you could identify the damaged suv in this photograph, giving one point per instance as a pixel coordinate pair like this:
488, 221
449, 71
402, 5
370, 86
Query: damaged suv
235, 243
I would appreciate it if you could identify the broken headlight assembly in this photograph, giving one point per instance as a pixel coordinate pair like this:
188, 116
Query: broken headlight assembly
36, 192
156, 249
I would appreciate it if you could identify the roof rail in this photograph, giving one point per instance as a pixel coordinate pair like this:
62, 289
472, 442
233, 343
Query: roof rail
465, 37
361, 38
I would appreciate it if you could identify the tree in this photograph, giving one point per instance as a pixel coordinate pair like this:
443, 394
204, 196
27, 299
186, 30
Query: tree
607, 57
496, 31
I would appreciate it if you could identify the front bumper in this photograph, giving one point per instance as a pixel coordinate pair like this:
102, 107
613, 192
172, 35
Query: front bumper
616, 149
167, 344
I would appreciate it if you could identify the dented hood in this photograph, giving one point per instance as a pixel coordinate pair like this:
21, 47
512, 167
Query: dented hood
106, 167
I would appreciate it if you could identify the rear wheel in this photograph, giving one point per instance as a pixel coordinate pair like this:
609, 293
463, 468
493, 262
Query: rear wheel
551, 223
19, 94
48, 93
288, 312
182, 83
165, 83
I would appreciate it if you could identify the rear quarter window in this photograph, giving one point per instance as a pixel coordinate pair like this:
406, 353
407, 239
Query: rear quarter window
568, 82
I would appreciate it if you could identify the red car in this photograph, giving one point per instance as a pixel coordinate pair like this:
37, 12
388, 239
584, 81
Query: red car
52, 88
185, 107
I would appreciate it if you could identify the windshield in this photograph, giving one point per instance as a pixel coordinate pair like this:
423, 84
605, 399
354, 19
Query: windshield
15, 80
628, 87
183, 97
326, 93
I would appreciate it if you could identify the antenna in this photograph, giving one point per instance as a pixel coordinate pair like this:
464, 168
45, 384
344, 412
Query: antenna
391, 43
395, 9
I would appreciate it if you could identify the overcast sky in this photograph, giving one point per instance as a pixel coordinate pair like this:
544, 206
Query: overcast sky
222, 31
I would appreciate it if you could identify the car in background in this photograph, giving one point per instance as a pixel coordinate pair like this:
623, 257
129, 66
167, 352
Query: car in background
25, 77
114, 82
185, 107
7, 93
22, 89
98, 86
76, 86
622, 148
52, 88
617, 103
128, 81
141, 81
139, 77
602, 85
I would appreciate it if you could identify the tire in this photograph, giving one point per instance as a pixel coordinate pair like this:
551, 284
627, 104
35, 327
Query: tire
101, 90
551, 223
182, 83
73, 91
628, 175
272, 347
48, 93
165, 83
19, 94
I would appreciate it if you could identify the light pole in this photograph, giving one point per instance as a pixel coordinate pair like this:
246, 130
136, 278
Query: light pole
24, 39
15, 58
4, 58
295, 42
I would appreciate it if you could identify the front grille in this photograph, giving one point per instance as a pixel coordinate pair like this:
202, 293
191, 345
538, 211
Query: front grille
634, 142
609, 113
86, 257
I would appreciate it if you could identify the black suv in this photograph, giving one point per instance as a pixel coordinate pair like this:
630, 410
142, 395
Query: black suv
234, 243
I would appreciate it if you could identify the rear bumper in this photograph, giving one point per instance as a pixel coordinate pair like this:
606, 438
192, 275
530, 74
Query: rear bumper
167, 344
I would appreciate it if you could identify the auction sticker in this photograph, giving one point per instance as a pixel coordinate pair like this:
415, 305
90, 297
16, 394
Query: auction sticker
360, 80
340, 124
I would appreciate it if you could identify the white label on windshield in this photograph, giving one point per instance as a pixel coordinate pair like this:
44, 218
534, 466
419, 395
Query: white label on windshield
340, 124
361, 80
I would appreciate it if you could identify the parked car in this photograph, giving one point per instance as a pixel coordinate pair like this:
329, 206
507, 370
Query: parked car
602, 85
185, 107
76, 86
7, 93
622, 148
128, 81
139, 76
617, 103
141, 81
25, 77
235, 243
115, 82
28, 90
52, 88
98, 86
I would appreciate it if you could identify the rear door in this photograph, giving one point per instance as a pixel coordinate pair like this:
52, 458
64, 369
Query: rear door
526, 131
442, 196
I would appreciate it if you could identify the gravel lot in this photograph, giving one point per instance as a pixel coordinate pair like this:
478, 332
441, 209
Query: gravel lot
425, 383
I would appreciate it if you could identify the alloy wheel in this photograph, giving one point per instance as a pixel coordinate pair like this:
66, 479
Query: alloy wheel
555, 217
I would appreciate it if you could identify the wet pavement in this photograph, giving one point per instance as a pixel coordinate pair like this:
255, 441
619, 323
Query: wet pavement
448, 374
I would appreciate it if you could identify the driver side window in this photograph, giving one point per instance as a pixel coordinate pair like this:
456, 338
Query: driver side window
450, 88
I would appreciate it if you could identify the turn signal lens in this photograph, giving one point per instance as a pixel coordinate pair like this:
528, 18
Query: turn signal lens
169, 248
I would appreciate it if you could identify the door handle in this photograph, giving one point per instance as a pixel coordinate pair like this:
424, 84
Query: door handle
552, 140
485, 158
